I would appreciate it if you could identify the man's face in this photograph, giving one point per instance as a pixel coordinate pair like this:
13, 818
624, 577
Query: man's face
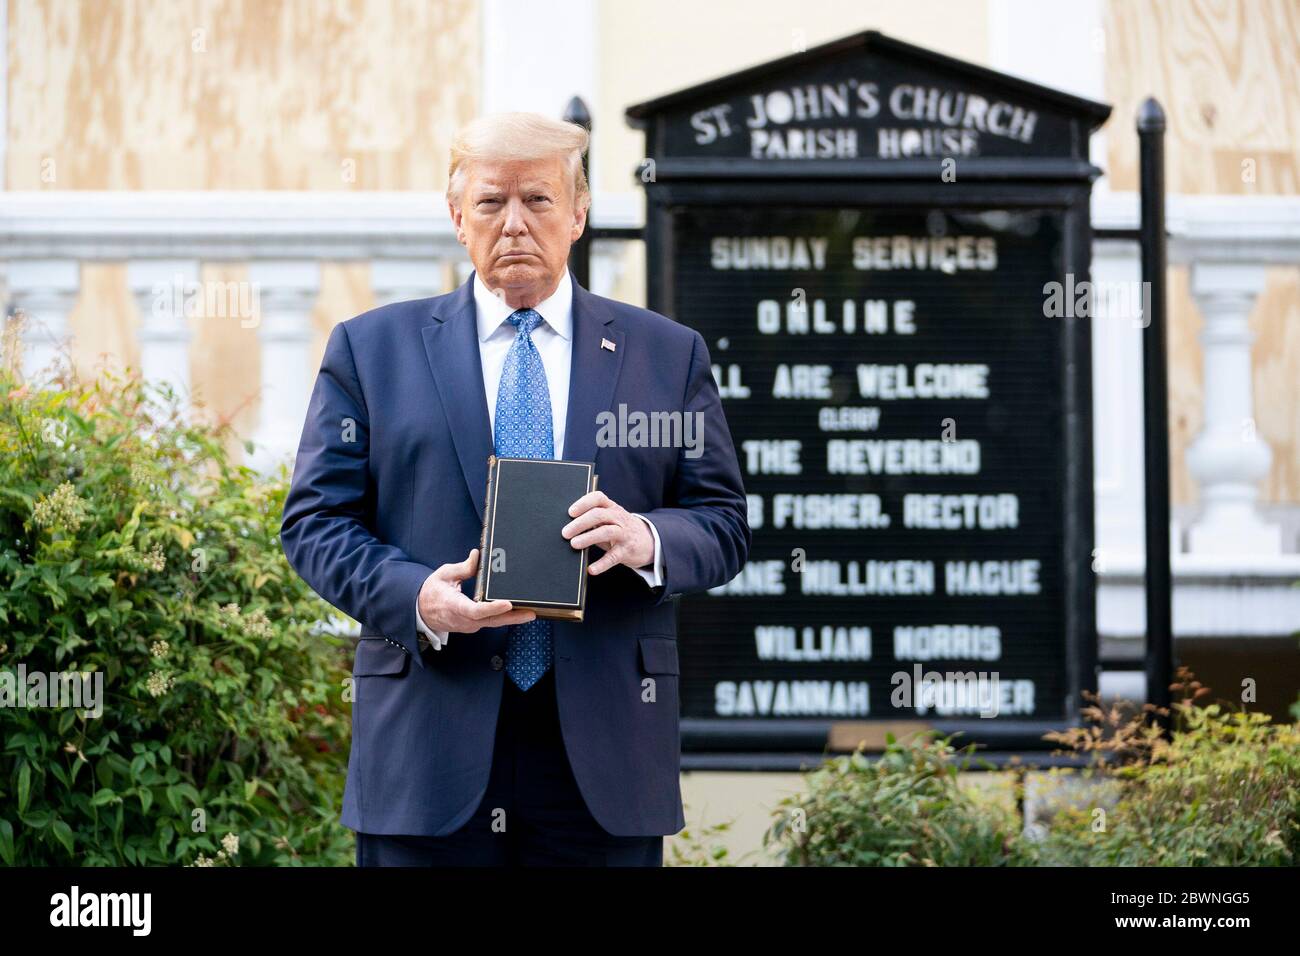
518, 220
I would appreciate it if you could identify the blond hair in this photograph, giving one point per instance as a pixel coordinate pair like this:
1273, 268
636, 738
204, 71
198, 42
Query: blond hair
518, 136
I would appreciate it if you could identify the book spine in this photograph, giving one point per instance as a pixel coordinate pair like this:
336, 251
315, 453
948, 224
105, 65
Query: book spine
582, 586
480, 585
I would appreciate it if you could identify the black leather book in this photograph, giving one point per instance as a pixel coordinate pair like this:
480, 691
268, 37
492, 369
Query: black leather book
523, 557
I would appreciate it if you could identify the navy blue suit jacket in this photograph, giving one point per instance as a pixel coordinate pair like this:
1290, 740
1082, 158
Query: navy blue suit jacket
389, 484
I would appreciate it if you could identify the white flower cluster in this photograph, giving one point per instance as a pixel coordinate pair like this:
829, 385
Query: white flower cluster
254, 623
229, 848
155, 560
159, 683
63, 509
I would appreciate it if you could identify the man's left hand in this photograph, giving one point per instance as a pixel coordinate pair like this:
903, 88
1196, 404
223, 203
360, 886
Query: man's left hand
625, 538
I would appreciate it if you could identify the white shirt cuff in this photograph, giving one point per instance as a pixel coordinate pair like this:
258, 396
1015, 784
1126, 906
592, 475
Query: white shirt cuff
654, 574
436, 638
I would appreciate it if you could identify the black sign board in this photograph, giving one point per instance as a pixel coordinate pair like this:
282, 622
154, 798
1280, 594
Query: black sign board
866, 234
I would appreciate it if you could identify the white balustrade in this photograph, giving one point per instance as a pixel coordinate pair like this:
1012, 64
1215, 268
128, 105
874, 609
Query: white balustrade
164, 291
285, 293
1232, 581
45, 290
283, 238
1228, 458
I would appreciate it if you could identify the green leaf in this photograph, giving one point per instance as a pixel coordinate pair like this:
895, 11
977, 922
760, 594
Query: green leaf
103, 796
38, 820
63, 833
129, 530
6, 842
24, 787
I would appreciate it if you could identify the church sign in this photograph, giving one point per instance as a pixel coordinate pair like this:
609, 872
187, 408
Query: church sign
867, 235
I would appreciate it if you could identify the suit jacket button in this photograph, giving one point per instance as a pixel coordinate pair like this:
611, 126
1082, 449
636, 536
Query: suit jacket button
497, 662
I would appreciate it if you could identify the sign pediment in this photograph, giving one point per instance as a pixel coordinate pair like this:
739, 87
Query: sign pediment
867, 97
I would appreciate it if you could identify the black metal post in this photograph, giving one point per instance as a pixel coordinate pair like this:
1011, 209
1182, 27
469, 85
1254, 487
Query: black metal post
580, 253
1155, 405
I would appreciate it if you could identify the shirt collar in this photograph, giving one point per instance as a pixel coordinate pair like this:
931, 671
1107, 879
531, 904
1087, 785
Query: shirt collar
492, 310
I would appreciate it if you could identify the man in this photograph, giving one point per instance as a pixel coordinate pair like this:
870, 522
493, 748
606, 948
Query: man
481, 735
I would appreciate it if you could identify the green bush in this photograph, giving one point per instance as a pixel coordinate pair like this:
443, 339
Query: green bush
132, 548
904, 809
1224, 790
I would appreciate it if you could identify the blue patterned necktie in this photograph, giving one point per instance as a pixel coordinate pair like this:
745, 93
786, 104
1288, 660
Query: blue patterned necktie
523, 430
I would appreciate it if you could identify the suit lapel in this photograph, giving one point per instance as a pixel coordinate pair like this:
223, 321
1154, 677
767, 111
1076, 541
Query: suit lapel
593, 373
451, 346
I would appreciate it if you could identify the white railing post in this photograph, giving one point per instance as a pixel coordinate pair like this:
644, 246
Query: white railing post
161, 288
1228, 458
286, 293
45, 290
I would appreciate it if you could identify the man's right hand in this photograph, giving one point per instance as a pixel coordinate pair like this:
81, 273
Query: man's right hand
443, 606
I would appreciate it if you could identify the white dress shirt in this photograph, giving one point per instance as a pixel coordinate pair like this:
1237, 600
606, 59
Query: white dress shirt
553, 337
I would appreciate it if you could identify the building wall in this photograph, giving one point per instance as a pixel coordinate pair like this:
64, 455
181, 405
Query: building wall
1228, 76
237, 94
233, 94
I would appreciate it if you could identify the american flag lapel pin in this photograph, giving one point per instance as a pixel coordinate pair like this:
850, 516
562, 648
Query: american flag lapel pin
607, 344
